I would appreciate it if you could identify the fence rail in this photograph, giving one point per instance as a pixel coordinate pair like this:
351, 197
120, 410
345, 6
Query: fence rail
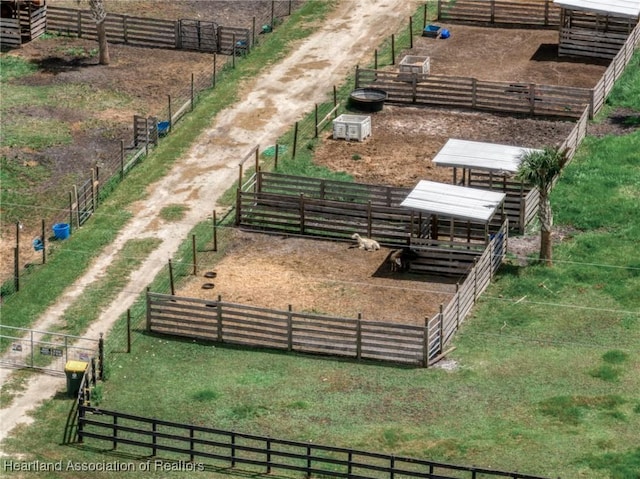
223, 448
289, 330
497, 12
525, 98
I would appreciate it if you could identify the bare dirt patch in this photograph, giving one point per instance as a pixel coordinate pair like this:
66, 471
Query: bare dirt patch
321, 277
405, 140
507, 54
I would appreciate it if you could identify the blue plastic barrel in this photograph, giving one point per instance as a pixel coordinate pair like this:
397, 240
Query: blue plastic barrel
38, 245
61, 230
163, 128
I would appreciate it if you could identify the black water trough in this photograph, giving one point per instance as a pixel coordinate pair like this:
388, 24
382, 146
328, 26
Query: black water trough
367, 99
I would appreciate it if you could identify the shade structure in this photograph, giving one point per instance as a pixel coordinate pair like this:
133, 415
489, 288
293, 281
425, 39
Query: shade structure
476, 155
624, 8
458, 202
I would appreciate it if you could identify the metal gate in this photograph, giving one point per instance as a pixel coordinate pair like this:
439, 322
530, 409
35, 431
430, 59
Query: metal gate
47, 351
198, 35
86, 201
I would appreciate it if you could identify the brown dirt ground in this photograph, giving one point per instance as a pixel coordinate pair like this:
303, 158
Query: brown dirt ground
404, 139
321, 277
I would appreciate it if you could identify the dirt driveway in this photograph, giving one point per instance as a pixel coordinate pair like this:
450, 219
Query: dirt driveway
211, 164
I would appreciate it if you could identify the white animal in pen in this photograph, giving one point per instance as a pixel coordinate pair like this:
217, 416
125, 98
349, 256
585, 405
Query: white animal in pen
366, 244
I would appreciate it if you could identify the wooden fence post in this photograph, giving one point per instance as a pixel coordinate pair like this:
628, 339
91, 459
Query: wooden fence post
170, 114
273, 7
316, 116
290, 329
474, 98
369, 219
441, 326
424, 16
44, 244
193, 249
70, 211
275, 158
301, 213
240, 175
253, 32
457, 306
393, 49
425, 343
493, 11
219, 319
335, 100
148, 311
359, 337
215, 232
475, 279
171, 284
114, 445
128, 330
439, 13
375, 59
295, 141
410, 32
16, 269
121, 160
193, 94
532, 98
238, 206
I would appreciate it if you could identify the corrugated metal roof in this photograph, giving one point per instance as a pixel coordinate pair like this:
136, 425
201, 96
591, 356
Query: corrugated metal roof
625, 8
481, 156
458, 202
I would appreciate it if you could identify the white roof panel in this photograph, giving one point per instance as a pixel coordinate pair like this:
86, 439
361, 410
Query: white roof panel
458, 202
481, 156
625, 8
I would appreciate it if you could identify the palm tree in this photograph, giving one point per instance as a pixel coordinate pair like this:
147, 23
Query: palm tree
540, 169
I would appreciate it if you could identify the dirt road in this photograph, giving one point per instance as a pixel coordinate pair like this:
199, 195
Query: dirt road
287, 90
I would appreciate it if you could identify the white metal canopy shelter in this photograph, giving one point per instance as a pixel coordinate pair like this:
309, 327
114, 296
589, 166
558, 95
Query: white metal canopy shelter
481, 156
458, 202
624, 8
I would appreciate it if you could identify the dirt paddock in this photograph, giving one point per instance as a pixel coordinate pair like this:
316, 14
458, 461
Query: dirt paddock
320, 277
405, 140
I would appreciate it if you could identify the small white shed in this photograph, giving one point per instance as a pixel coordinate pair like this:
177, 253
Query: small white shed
595, 28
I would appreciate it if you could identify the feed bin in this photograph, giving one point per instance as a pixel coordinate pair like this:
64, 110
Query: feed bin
352, 127
431, 31
415, 64
61, 230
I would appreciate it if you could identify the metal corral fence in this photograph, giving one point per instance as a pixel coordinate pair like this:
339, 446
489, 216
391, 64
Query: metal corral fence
216, 448
542, 13
46, 350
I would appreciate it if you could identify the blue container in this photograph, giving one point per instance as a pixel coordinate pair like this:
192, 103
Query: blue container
163, 128
61, 230
38, 245
431, 31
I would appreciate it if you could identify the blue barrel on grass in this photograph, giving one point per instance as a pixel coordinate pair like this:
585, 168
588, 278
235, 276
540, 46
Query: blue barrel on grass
61, 230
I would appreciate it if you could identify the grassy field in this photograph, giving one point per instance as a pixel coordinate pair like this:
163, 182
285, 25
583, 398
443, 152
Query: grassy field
545, 377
